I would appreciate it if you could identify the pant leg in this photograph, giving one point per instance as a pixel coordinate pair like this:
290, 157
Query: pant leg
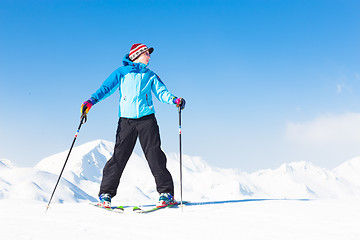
126, 136
149, 137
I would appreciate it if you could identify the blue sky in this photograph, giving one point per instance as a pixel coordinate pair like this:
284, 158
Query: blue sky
266, 82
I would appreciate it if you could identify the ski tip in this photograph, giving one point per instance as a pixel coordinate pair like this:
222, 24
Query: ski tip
137, 209
120, 207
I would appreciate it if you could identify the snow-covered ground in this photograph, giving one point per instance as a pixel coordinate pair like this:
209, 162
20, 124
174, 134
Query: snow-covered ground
279, 219
332, 211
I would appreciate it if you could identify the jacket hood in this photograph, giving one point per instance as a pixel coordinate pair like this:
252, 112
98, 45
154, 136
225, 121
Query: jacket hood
138, 66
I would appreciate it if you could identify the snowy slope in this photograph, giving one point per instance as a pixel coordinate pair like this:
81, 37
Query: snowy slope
350, 171
280, 220
34, 184
84, 166
203, 181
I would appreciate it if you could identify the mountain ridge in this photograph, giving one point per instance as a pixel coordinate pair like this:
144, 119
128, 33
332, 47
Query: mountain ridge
201, 181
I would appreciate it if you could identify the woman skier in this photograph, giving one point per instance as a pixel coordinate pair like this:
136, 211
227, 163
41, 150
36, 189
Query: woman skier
136, 120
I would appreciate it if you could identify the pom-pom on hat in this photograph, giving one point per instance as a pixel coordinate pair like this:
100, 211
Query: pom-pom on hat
137, 49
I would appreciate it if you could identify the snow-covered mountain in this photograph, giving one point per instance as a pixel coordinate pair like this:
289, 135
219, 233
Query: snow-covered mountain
349, 171
34, 184
303, 180
201, 181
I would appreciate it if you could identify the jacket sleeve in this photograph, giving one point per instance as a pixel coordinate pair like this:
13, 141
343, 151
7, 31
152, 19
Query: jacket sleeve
108, 87
160, 91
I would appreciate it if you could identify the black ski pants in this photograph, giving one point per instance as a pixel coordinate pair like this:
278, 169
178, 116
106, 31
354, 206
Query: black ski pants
128, 131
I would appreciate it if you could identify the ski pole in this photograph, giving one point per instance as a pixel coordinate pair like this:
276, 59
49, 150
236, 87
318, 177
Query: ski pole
181, 195
82, 121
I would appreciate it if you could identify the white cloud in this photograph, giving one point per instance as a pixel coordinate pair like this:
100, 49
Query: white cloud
326, 130
339, 88
342, 87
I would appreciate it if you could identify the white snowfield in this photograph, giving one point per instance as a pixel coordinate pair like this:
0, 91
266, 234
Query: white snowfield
277, 209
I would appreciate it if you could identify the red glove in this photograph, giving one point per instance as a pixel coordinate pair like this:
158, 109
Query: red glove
85, 107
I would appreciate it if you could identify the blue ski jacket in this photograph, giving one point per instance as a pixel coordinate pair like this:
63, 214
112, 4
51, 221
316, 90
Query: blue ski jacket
135, 82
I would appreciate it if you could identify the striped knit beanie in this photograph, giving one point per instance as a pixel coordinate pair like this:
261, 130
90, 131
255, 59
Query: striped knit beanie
137, 49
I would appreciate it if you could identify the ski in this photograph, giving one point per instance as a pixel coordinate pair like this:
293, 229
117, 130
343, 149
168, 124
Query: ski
152, 208
140, 210
116, 209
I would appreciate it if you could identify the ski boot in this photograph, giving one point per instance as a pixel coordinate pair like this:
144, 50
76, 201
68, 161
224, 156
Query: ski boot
165, 199
105, 200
